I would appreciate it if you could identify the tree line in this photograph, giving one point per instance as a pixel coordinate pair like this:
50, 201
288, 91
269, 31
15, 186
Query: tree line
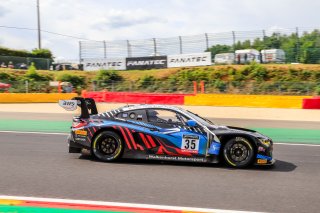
35, 53
303, 48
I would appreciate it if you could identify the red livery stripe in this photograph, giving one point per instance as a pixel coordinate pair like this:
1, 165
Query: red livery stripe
140, 147
153, 144
90, 132
144, 140
125, 137
131, 138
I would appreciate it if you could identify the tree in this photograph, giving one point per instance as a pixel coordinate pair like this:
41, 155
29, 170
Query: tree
107, 76
75, 80
33, 75
42, 53
310, 47
216, 49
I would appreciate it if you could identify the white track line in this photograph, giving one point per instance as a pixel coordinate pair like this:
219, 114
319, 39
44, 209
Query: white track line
297, 144
117, 204
57, 133
40, 133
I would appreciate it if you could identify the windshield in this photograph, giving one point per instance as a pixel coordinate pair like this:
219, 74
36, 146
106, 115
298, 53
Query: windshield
198, 118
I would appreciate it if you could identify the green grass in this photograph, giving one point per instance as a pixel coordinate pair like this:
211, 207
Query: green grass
282, 135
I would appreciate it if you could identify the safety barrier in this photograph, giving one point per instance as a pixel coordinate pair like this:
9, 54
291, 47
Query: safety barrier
311, 103
268, 101
127, 97
34, 97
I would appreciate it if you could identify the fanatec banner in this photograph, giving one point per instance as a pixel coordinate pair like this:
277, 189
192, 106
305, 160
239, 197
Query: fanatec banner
107, 64
142, 63
189, 60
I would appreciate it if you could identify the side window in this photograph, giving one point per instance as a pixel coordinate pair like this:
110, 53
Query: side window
136, 115
165, 116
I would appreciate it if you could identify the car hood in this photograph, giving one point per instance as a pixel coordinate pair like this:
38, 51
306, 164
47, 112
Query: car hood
231, 129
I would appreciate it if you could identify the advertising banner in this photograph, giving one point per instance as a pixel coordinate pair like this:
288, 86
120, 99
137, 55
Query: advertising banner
102, 63
189, 60
142, 63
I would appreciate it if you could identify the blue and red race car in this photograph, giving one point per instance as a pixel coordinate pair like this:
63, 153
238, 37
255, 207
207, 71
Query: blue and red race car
160, 132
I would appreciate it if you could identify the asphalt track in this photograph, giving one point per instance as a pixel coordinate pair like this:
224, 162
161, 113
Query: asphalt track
38, 165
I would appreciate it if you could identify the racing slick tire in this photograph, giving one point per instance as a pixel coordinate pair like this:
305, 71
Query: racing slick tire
107, 146
238, 152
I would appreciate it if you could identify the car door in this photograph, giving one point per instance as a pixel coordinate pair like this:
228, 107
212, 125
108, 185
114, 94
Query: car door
173, 129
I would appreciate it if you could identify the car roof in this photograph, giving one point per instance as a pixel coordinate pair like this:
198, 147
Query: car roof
149, 106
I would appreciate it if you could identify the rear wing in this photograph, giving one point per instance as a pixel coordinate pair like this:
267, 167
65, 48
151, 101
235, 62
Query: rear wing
87, 105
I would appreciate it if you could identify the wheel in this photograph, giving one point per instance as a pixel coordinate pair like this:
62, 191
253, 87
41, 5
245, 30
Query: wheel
238, 152
107, 146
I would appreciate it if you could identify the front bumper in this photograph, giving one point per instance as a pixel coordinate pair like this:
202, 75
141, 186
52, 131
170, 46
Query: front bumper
267, 163
264, 156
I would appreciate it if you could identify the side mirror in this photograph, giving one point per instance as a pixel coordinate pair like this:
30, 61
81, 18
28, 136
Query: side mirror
191, 123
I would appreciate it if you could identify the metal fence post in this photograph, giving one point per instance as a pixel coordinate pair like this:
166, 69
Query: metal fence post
207, 40
297, 45
155, 46
27, 86
80, 53
48, 64
234, 40
104, 49
129, 51
180, 42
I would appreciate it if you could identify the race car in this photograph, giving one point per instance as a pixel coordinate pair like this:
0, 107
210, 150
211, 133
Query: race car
161, 132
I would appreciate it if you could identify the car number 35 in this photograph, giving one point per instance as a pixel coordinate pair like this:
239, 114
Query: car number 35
190, 143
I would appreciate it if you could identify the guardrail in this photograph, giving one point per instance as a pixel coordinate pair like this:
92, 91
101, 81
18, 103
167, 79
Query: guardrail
311, 103
267, 101
144, 98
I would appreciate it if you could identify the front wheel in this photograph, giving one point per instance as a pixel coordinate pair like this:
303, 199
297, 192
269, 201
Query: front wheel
107, 146
238, 152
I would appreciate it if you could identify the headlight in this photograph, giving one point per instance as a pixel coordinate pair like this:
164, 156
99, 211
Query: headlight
266, 142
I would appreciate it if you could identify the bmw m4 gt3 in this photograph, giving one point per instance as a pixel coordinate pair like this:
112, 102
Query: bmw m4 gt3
160, 132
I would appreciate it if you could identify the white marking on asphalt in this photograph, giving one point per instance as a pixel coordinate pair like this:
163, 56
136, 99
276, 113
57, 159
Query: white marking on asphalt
40, 133
118, 204
297, 144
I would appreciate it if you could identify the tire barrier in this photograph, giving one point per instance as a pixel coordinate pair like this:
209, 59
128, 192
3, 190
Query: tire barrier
34, 97
135, 98
311, 103
267, 101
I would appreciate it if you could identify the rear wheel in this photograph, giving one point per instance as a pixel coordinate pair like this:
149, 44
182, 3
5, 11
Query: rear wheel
107, 146
238, 152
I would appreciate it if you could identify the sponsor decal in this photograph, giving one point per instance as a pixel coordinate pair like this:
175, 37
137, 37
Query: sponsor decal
81, 139
262, 161
103, 63
264, 157
189, 60
69, 105
214, 148
261, 149
176, 158
81, 132
154, 62
190, 143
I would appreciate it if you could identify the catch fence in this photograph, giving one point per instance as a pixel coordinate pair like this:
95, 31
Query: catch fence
23, 62
294, 41
252, 87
